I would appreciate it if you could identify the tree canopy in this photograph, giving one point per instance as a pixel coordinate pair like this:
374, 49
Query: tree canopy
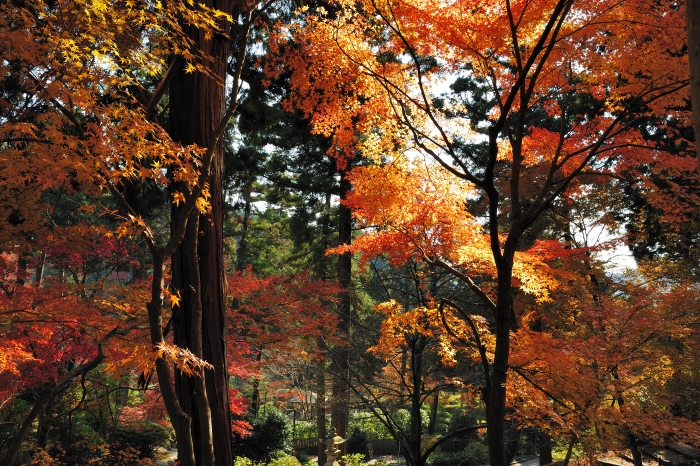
490, 153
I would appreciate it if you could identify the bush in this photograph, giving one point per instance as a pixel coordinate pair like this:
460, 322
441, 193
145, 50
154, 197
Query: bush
371, 425
272, 433
143, 437
303, 457
284, 460
243, 461
358, 442
478, 452
355, 459
451, 459
474, 454
306, 429
89, 451
462, 419
378, 431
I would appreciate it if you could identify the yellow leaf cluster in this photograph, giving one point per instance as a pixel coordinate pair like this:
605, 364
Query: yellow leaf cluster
183, 359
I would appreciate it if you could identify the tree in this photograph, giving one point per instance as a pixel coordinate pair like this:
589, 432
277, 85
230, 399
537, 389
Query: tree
197, 106
63, 329
585, 360
95, 74
606, 377
533, 57
279, 317
417, 365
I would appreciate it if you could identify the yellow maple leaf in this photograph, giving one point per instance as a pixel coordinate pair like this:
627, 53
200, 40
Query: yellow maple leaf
178, 197
175, 299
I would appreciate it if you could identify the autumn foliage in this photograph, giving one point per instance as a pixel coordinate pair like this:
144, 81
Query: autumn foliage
486, 138
486, 121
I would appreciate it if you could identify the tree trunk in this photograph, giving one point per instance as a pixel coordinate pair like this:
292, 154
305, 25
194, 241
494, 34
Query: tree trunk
496, 401
692, 19
321, 368
213, 276
636, 454
181, 421
196, 340
39, 273
255, 394
511, 438
416, 432
544, 447
570, 450
321, 410
196, 107
16, 444
242, 252
433, 412
341, 395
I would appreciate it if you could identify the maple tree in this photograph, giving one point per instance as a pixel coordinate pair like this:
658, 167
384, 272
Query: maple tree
604, 375
371, 76
418, 365
280, 317
44, 348
584, 363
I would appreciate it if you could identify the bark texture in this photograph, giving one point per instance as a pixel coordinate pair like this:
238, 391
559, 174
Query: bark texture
196, 108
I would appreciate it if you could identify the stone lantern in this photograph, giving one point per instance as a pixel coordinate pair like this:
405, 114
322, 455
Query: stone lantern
331, 450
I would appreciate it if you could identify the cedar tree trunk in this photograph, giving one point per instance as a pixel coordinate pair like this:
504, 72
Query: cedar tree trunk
196, 107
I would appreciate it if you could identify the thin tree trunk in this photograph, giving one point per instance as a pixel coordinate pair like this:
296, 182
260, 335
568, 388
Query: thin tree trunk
544, 447
416, 432
341, 394
692, 19
570, 450
46, 419
242, 252
636, 454
433, 412
255, 395
39, 273
321, 410
184, 329
496, 401
241, 261
196, 341
321, 367
181, 421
